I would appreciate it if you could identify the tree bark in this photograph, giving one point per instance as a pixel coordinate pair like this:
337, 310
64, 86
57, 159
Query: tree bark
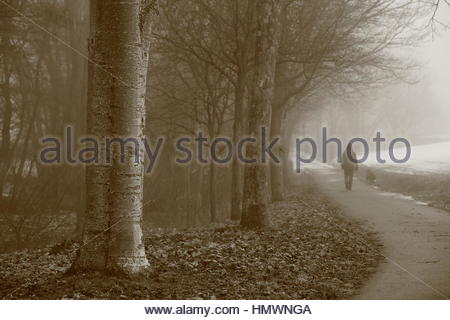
278, 113
76, 81
7, 117
212, 192
256, 175
243, 41
112, 237
236, 169
276, 170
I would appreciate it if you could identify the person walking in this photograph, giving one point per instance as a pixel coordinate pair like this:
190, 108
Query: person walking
350, 165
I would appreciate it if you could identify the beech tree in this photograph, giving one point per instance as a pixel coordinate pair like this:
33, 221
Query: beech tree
256, 178
118, 52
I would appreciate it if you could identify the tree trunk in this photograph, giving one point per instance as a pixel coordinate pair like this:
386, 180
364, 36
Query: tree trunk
276, 170
7, 117
188, 197
76, 81
278, 112
212, 192
244, 45
236, 169
112, 238
199, 207
256, 175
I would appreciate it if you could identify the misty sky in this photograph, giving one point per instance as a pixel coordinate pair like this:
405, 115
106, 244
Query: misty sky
421, 108
435, 57
434, 75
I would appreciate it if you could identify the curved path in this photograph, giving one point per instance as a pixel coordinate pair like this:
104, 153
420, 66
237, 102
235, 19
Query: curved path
416, 238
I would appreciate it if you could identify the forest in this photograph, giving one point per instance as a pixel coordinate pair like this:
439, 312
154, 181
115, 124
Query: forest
195, 105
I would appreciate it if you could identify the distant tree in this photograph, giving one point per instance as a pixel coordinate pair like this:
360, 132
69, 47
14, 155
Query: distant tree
42, 87
193, 96
220, 34
340, 48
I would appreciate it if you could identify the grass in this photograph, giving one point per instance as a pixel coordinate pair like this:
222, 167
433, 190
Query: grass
430, 188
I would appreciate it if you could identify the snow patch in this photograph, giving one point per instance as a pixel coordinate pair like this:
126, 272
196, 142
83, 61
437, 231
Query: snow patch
395, 195
430, 158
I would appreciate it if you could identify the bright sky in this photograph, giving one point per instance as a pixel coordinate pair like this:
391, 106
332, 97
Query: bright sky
435, 57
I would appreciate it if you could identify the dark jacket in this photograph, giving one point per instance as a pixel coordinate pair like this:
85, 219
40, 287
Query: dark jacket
349, 163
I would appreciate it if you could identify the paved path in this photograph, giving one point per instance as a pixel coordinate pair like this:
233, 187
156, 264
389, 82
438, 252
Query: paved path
416, 239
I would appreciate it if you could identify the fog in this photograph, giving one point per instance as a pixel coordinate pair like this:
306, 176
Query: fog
416, 106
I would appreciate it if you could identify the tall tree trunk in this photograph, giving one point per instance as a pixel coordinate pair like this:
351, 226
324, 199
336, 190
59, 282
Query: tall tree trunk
255, 197
199, 207
94, 248
112, 239
6, 118
76, 79
244, 46
277, 117
188, 196
236, 169
276, 170
212, 192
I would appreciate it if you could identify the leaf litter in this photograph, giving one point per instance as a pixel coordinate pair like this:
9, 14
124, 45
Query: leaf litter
310, 251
